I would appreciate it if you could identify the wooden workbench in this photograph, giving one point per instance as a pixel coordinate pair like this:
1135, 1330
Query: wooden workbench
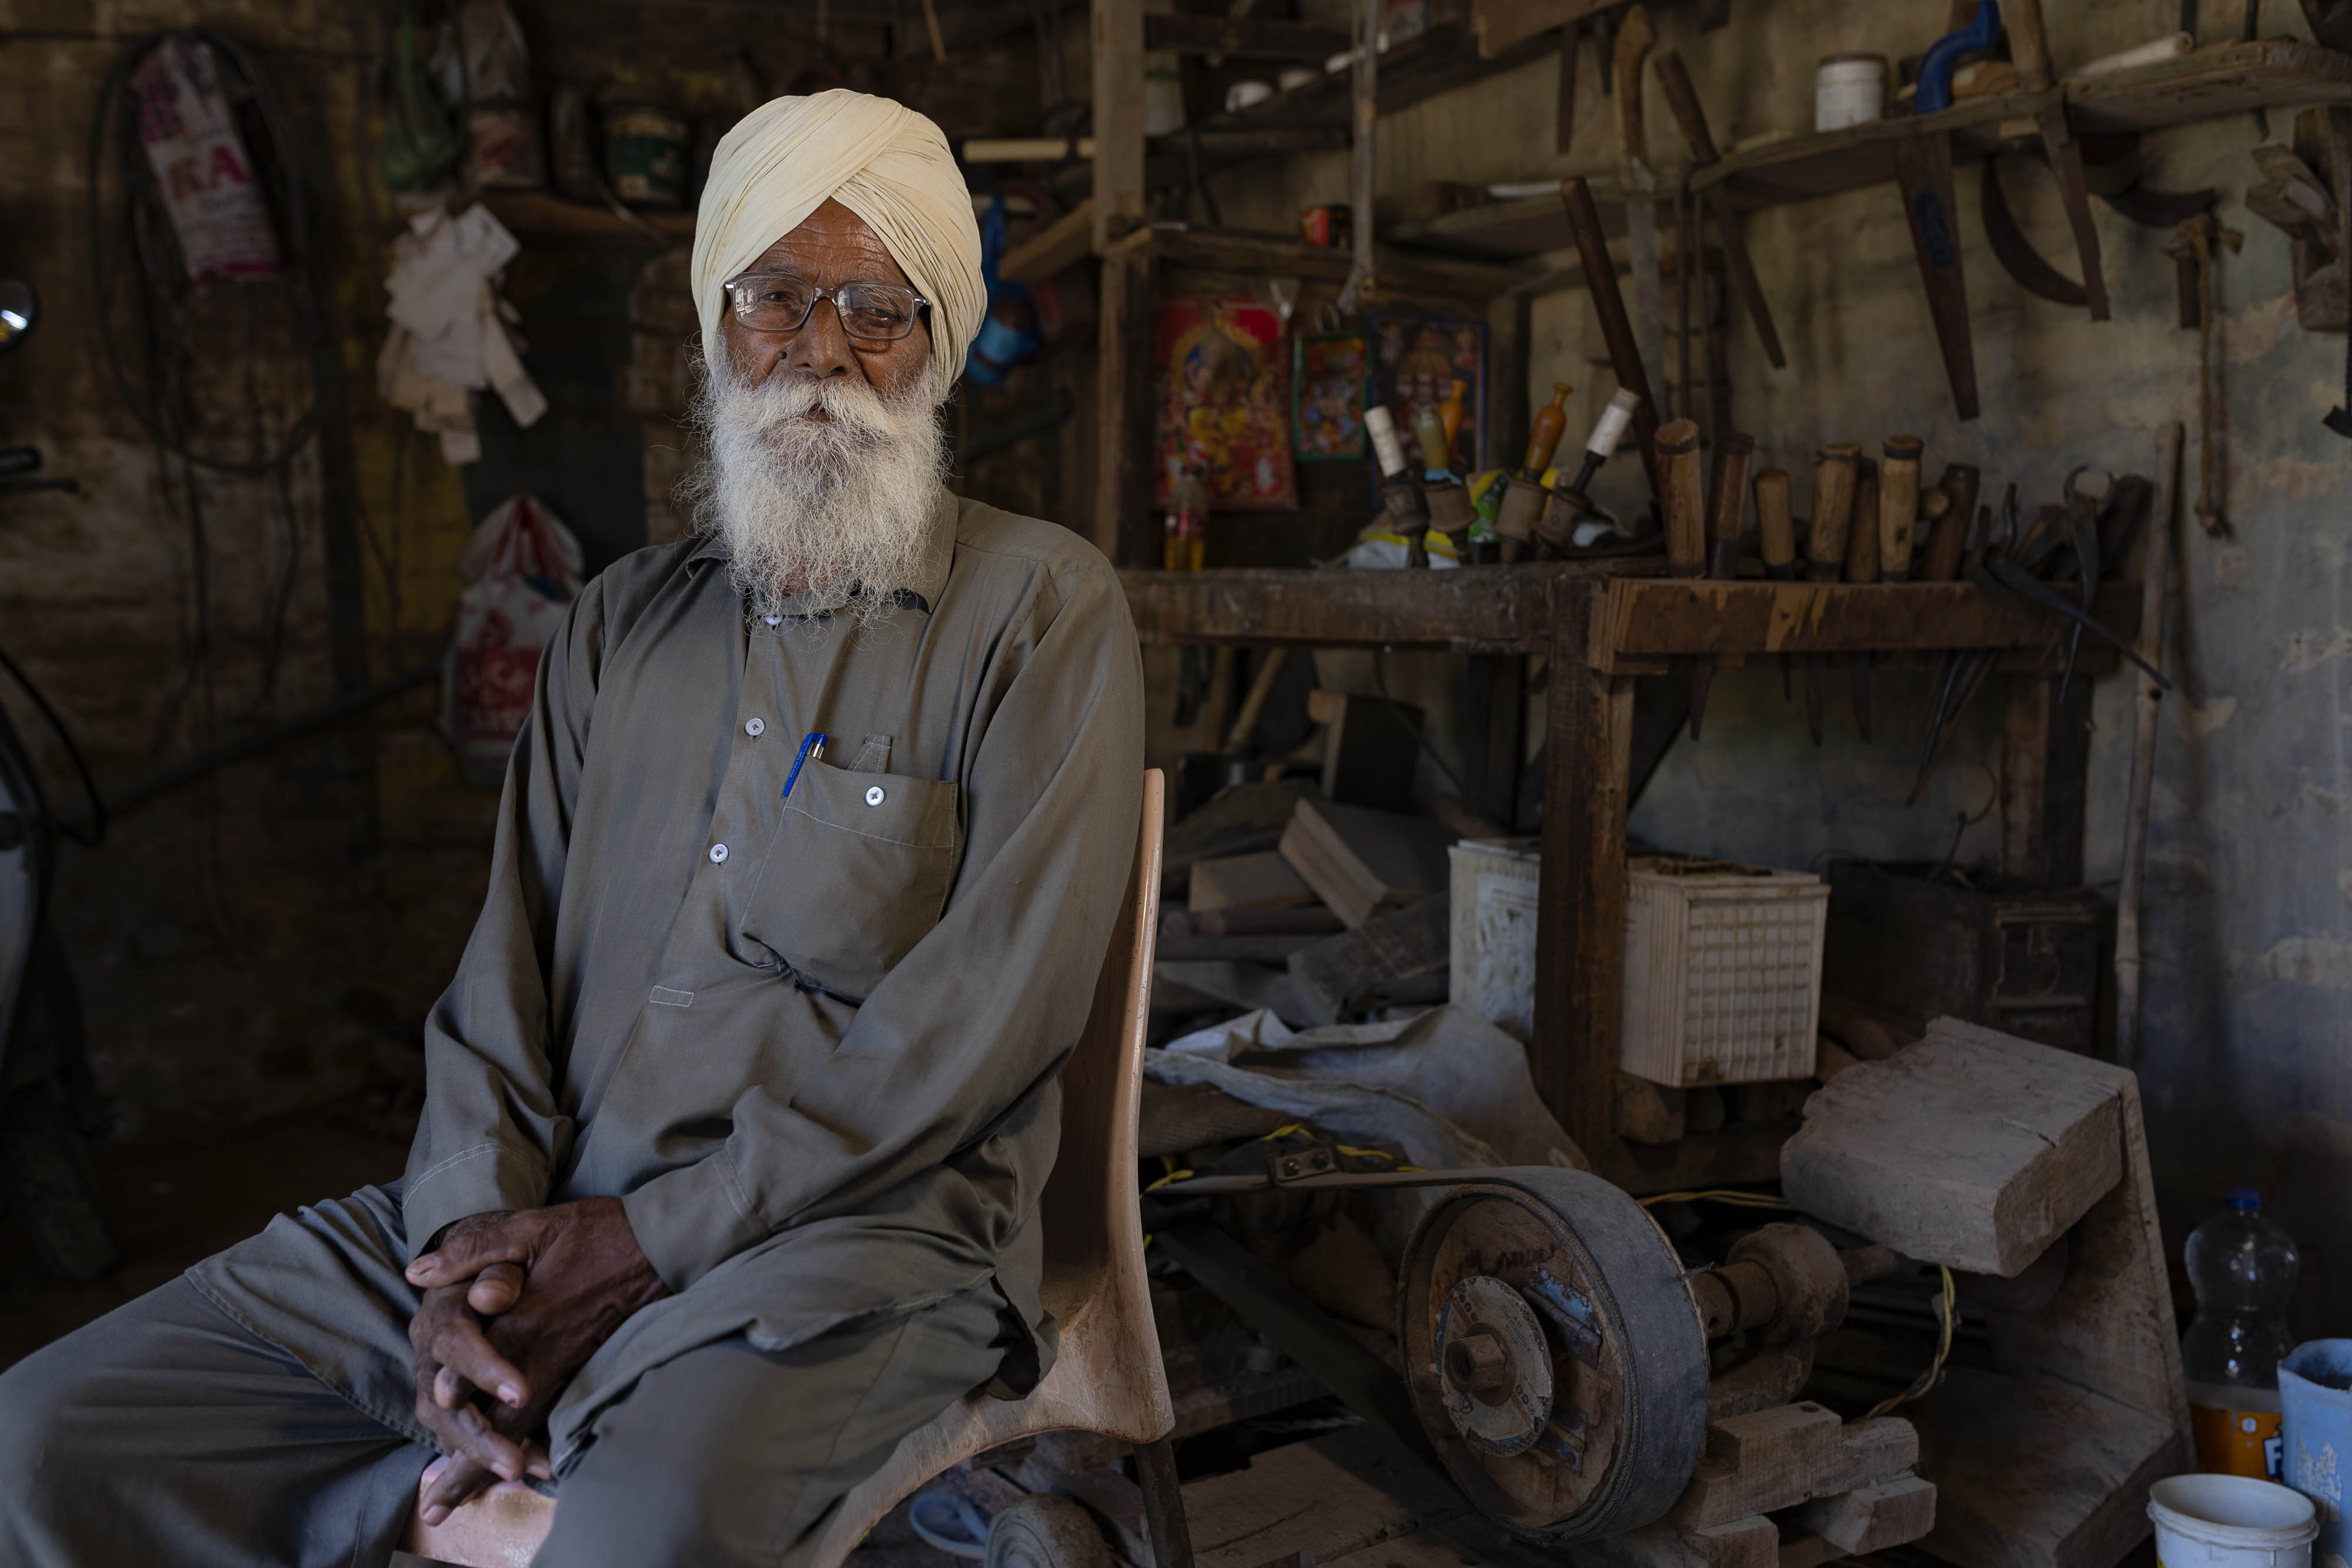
1598, 628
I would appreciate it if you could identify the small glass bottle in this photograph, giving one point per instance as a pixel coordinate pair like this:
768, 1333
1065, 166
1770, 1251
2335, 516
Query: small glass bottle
2243, 1269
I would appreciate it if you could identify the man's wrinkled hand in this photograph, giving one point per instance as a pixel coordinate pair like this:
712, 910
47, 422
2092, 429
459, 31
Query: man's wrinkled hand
539, 1290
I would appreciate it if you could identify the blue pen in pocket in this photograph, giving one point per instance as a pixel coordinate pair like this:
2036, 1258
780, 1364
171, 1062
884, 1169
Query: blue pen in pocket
812, 745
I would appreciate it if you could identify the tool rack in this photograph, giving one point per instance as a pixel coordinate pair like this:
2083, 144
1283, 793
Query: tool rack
1598, 628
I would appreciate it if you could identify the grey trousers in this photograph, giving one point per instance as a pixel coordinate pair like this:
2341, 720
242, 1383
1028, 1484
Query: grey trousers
166, 1433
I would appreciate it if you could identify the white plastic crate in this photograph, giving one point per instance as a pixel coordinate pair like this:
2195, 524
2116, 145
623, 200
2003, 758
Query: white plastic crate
1493, 912
1723, 971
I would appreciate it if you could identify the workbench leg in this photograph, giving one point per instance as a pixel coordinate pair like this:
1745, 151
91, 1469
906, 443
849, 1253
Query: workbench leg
1163, 1505
1581, 896
1123, 527
1494, 720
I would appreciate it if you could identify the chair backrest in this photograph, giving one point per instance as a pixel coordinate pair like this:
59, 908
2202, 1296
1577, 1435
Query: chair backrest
1089, 1207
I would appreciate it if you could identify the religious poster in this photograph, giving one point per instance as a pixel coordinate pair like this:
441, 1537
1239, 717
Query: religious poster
1416, 359
1329, 375
1224, 403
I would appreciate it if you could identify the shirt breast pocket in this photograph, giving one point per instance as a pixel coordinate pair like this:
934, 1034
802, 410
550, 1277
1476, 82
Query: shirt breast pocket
857, 874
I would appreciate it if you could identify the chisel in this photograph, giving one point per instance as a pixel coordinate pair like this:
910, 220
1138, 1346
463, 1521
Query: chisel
1775, 536
1949, 537
1616, 331
1898, 506
1861, 566
1833, 481
1678, 460
1727, 511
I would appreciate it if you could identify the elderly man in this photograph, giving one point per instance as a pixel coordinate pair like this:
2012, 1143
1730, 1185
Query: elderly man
741, 1099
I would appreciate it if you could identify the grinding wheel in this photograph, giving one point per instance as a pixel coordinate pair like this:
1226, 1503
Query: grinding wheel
1553, 1352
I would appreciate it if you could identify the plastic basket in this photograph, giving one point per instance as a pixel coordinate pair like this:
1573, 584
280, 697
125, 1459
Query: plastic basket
1723, 971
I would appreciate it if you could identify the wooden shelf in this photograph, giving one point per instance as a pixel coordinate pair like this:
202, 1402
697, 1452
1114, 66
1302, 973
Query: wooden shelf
1638, 623
2224, 80
541, 213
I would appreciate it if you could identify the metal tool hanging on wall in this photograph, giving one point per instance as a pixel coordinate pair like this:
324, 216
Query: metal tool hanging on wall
1635, 37
1682, 97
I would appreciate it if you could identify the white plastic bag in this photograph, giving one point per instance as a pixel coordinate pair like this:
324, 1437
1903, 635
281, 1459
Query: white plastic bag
526, 569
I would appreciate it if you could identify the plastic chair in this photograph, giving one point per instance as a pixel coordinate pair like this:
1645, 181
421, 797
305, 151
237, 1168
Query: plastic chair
1107, 1378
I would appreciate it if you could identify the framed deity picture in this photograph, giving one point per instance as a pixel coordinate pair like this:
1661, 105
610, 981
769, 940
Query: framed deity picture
1329, 373
1416, 359
1223, 402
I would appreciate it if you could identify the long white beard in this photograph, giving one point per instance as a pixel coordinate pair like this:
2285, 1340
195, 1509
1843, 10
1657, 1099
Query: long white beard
840, 508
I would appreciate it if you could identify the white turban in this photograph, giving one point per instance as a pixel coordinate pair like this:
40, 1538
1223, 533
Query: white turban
882, 161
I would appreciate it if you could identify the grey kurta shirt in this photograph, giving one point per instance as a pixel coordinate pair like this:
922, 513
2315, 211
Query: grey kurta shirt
809, 1040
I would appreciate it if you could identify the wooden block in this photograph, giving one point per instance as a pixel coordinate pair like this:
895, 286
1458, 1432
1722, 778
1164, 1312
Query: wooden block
1313, 1501
2036, 1473
1370, 965
1262, 881
1750, 1543
1360, 861
1648, 1112
1790, 1454
1972, 1148
1871, 1519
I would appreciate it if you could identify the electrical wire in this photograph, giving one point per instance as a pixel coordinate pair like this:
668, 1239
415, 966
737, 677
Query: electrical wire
1948, 1310
88, 837
1724, 1195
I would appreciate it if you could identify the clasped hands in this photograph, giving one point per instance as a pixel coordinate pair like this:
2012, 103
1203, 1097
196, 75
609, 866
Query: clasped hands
514, 1304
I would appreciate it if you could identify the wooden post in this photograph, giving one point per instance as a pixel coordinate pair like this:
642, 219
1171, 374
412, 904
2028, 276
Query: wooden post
1494, 714
1117, 49
2046, 758
1122, 500
1580, 893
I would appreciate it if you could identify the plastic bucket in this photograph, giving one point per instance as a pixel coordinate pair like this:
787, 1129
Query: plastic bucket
2315, 1428
2230, 1521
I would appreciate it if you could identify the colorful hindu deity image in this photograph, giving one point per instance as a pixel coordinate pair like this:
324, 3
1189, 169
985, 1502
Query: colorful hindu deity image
1224, 404
1328, 425
1417, 363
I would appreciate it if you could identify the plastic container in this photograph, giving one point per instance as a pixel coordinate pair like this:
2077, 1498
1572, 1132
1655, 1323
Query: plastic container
2316, 1434
2230, 1521
1723, 971
1848, 89
2243, 1269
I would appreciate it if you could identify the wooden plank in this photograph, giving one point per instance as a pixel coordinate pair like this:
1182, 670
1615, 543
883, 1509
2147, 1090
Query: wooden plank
1972, 1148
1788, 1454
1064, 242
1751, 1543
1119, 189
1580, 890
1439, 61
1244, 37
1500, 25
1123, 355
1871, 1519
2037, 1473
2024, 777
1261, 880
1653, 618
1314, 1501
1497, 608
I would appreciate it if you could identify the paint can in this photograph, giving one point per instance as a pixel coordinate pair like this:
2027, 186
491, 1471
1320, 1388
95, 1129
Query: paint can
1848, 89
2230, 1521
645, 153
2316, 1432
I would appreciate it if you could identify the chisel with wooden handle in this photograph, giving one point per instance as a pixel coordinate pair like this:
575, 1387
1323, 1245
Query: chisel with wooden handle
1775, 537
1862, 564
1949, 537
1898, 506
1825, 541
1678, 462
1727, 510
1674, 79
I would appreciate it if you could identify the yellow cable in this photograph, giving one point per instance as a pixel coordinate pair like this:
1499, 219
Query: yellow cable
1949, 1302
1736, 1198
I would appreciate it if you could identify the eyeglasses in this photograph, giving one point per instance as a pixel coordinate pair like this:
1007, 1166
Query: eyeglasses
870, 311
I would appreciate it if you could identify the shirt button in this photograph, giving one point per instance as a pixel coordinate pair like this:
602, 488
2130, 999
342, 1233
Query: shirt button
717, 854
873, 795
755, 727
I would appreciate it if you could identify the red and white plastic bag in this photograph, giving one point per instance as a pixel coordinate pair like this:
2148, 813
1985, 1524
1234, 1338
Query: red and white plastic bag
526, 569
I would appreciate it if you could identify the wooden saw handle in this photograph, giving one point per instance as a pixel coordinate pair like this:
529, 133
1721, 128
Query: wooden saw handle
1833, 477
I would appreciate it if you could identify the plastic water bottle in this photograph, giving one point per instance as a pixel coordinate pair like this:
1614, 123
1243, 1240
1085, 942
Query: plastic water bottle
2243, 1269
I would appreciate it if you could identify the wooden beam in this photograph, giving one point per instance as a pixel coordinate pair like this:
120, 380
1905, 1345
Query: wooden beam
1123, 353
1480, 609
1494, 714
1244, 37
1219, 250
1640, 621
1062, 243
1580, 888
1117, 43
1501, 25
2025, 777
